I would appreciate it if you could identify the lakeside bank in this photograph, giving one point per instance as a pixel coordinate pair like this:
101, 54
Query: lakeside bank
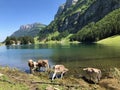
14, 79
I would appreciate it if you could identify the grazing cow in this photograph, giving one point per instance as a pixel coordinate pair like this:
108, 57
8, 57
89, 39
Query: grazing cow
43, 63
32, 65
94, 74
59, 69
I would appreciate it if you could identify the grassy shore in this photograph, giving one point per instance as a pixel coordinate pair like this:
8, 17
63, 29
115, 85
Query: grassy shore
1, 44
62, 41
111, 41
13, 79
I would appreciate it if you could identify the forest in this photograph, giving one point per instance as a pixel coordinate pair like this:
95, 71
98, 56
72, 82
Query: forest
19, 40
106, 27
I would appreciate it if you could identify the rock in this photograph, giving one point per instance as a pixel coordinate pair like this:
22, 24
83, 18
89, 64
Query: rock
65, 6
69, 3
60, 10
49, 88
1, 74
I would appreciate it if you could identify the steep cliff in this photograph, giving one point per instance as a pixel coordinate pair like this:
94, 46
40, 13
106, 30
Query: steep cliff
73, 17
93, 12
29, 30
64, 7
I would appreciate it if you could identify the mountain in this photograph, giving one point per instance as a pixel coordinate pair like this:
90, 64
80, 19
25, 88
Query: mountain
29, 30
104, 28
65, 6
74, 15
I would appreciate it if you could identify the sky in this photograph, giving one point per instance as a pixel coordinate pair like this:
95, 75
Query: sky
14, 13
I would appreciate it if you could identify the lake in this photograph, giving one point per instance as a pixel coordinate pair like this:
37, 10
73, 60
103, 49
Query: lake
72, 56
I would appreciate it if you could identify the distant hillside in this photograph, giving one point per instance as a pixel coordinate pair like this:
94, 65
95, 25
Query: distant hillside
29, 30
74, 15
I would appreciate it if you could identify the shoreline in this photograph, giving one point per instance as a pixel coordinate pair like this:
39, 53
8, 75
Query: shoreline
15, 79
57, 42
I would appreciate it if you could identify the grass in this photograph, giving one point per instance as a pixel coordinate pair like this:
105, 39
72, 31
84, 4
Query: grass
53, 35
14, 79
36, 40
7, 84
111, 41
65, 40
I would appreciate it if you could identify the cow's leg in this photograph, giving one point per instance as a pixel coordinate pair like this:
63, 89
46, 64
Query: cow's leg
62, 74
30, 70
39, 68
46, 67
95, 78
34, 69
99, 75
53, 75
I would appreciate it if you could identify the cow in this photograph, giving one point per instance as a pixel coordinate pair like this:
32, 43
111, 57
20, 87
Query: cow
43, 63
93, 74
59, 69
32, 65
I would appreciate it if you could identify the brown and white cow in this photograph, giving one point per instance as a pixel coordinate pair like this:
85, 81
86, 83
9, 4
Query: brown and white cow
94, 74
32, 65
43, 63
59, 69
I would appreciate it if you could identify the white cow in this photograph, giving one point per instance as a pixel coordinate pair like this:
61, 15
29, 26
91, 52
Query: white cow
59, 69
94, 74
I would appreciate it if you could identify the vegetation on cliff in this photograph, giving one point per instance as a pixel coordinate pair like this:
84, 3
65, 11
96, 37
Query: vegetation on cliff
108, 26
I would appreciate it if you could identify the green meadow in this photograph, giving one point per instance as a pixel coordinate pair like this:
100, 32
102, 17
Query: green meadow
111, 41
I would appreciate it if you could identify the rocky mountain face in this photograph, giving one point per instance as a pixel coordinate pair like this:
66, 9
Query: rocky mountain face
72, 17
65, 6
69, 3
29, 30
96, 11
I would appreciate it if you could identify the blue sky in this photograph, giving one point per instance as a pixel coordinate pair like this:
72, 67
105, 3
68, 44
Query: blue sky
14, 13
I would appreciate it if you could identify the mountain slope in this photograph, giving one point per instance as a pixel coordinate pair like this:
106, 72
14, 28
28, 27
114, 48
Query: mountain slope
106, 27
72, 19
29, 30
